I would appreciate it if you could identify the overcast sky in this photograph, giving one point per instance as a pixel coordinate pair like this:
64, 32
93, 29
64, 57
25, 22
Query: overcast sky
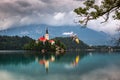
51, 12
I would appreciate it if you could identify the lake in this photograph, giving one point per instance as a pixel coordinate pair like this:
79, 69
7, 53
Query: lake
21, 65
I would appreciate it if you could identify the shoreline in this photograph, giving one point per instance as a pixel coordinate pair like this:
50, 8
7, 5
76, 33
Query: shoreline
78, 50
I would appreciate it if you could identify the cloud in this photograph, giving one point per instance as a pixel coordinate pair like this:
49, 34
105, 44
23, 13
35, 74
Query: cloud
23, 4
25, 12
15, 13
4, 75
108, 73
67, 33
59, 16
59, 19
109, 27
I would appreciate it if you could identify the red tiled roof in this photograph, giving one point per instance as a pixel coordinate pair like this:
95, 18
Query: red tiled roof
42, 39
51, 41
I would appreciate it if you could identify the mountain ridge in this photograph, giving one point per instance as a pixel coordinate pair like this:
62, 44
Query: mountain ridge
87, 35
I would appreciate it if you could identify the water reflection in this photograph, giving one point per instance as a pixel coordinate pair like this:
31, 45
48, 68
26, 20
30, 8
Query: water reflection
27, 58
75, 62
46, 62
67, 66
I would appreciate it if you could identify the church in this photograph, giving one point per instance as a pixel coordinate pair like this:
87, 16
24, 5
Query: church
47, 34
45, 38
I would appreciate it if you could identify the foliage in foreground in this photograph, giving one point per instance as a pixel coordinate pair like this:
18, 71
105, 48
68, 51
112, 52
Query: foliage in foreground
106, 9
92, 11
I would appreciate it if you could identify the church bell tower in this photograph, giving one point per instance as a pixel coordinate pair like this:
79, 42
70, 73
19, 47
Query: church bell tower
47, 34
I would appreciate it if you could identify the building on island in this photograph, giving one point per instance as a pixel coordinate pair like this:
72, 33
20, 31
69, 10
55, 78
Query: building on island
45, 38
47, 34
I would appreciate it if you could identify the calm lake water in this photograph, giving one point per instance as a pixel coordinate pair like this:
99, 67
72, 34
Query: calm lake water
20, 65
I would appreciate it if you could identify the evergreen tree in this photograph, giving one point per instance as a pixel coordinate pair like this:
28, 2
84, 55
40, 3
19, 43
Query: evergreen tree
92, 11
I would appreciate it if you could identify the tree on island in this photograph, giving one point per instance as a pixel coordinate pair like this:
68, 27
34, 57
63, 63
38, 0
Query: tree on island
93, 11
46, 46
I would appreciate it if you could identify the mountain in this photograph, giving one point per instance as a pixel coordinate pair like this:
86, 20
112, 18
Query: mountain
87, 35
71, 44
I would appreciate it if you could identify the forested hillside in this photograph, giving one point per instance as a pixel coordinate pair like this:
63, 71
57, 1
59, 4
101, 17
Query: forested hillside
13, 42
18, 43
71, 44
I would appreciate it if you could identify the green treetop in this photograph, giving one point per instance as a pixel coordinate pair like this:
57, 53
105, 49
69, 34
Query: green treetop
93, 11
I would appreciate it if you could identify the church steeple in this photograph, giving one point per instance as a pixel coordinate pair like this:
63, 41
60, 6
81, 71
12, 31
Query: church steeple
47, 31
47, 34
